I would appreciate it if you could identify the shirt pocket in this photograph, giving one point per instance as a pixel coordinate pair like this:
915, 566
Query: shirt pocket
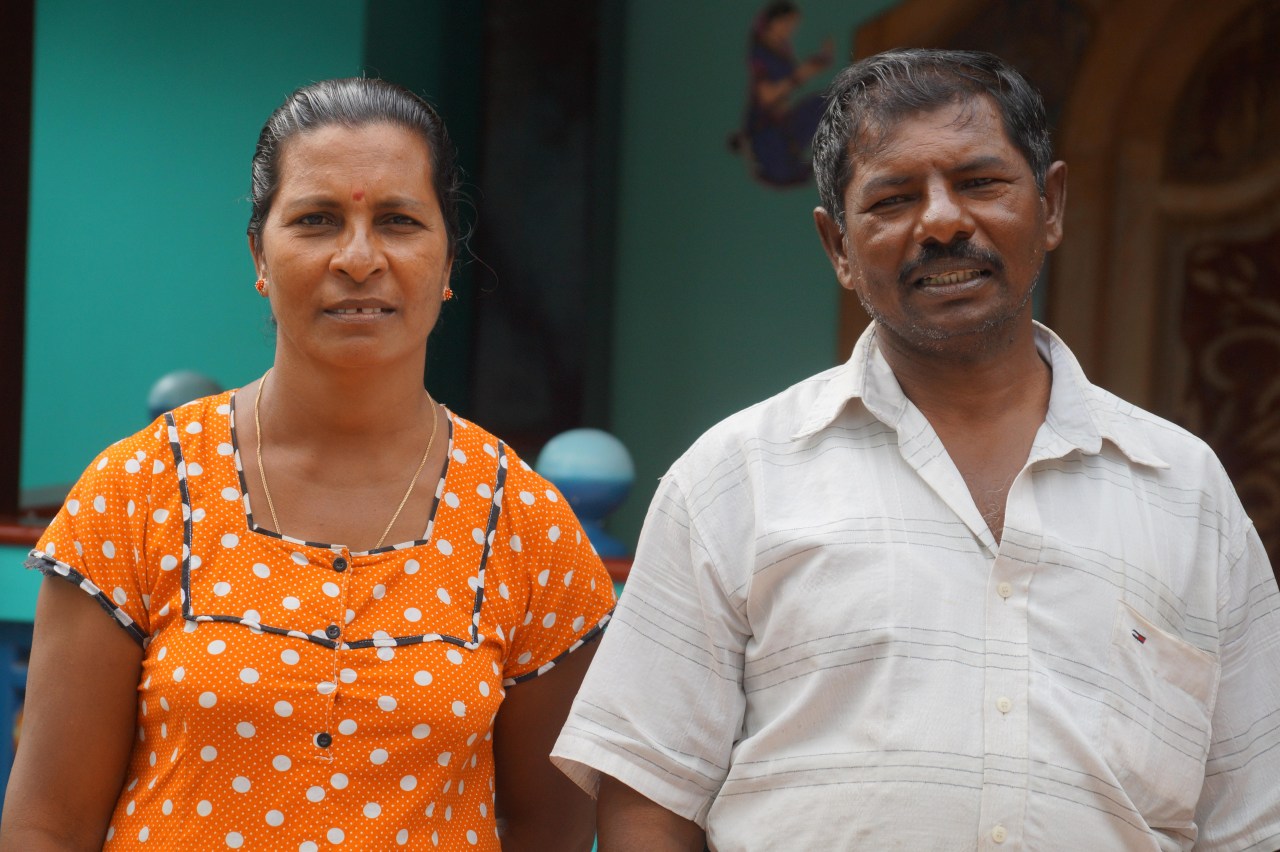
1157, 721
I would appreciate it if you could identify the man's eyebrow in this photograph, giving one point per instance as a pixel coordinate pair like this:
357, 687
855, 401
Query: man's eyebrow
885, 182
985, 161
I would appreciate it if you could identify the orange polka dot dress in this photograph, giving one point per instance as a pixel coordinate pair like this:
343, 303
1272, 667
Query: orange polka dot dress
298, 695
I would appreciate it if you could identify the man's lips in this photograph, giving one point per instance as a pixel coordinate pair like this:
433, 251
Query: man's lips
950, 265
958, 276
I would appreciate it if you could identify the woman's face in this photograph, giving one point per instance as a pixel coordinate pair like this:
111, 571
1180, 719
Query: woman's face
354, 249
778, 32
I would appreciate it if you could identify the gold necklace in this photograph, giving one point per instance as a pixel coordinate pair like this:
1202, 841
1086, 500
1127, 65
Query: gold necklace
262, 471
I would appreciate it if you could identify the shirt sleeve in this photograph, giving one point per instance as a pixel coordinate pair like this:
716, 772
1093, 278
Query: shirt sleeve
97, 539
569, 592
1239, 805
663, 701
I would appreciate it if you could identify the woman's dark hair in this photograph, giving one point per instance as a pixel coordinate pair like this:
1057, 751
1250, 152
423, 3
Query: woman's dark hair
777, 9
873, 93
355, 102
766, 16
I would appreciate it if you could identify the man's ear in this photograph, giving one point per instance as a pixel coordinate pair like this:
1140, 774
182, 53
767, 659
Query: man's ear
834, 244
1054, 200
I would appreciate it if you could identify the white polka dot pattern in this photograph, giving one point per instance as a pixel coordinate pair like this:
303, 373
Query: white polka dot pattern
252, 711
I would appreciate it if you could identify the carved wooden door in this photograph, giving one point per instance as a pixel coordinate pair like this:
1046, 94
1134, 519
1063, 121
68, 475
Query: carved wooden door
1167, 285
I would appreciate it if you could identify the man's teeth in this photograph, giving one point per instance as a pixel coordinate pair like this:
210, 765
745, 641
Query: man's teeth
357, 310
951, 277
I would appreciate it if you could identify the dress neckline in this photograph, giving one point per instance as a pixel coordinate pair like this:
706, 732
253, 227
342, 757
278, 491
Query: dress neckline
252, 526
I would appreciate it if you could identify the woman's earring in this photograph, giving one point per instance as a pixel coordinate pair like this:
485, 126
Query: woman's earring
261, 287
448, 293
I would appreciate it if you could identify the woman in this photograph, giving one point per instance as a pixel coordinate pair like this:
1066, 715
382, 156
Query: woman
779, 126
349, 616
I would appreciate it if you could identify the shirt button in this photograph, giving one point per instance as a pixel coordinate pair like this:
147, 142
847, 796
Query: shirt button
324, 740
340, 564
1004, 705
1004, 590
333, 631
998, 834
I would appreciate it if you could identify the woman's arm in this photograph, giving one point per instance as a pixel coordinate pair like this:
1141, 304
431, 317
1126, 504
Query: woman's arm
774, 94
538, 807
630, 822
78, 725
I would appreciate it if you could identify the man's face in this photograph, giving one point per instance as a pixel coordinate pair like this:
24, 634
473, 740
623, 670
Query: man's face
945, 229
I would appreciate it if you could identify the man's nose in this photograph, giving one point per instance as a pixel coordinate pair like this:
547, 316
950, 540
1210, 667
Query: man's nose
943, 218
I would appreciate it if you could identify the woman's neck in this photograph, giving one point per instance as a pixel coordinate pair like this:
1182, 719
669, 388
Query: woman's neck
314, 405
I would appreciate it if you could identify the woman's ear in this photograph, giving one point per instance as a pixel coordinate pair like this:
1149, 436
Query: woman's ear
255, 251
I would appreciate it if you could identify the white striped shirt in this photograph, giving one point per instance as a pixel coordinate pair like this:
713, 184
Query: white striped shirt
822, 646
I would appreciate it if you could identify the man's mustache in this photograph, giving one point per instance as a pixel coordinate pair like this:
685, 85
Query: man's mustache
955, 250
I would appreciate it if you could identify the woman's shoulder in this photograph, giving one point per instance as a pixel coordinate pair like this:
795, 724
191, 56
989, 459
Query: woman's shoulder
472, 440
152, 444
199, 411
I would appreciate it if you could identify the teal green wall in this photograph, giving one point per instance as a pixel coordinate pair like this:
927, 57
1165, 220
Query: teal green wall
18, 586
145, 115
435, 47
723, 293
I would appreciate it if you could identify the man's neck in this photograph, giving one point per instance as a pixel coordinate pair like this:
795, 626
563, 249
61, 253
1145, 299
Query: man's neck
985, 407
976, 384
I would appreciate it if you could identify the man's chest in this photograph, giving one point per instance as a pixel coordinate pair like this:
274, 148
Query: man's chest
880, 623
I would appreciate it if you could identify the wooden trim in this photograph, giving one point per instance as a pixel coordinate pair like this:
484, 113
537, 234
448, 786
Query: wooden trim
1109, 283
17, 23
1223, 198
619, 567
18, 532
914, 23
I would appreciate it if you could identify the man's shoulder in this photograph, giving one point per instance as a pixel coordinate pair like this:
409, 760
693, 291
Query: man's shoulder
1162, 451
1084, 412
1122, 421
770, 423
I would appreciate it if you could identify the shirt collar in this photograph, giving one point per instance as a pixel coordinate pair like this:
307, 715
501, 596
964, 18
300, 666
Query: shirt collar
1080, 413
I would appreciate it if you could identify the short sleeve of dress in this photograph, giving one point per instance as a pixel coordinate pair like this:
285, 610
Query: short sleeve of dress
569, 593
98, 538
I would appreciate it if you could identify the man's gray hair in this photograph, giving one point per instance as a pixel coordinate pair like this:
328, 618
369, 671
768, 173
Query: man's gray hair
873, 93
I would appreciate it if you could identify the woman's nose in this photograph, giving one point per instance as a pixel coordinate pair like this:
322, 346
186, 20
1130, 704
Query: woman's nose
359, 255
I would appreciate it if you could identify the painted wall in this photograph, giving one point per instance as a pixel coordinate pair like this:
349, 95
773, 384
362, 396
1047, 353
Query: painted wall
724, 296
145, 116
18, 586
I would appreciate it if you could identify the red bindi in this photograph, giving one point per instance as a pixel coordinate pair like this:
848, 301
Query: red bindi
358, 195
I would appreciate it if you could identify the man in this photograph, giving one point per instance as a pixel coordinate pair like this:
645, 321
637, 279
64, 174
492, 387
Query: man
948, 595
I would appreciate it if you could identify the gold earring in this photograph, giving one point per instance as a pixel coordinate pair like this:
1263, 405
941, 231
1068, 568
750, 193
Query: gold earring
261, 286
448, 293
